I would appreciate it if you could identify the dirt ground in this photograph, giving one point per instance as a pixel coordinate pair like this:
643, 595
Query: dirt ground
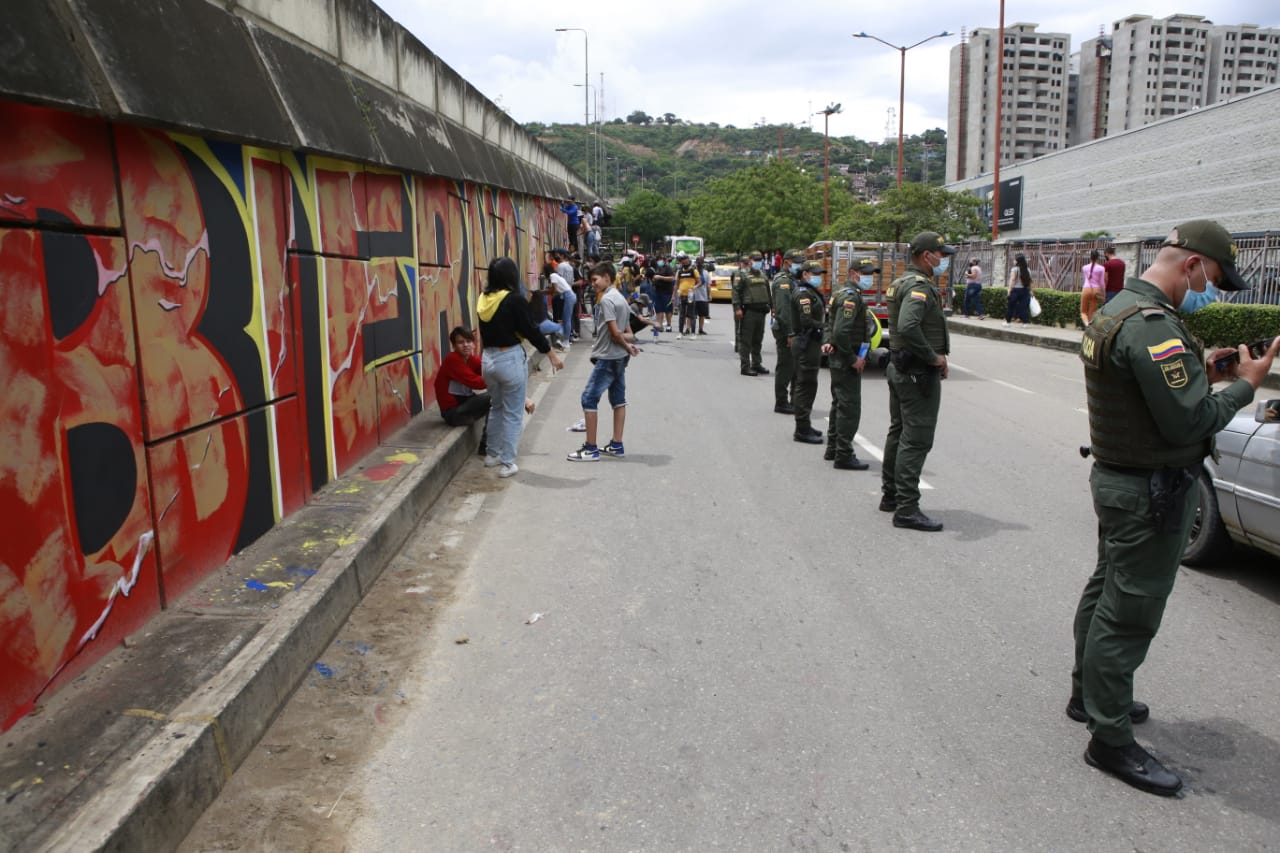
295, 792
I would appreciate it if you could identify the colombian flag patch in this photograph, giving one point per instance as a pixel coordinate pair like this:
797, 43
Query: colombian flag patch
915, 294
1167, 349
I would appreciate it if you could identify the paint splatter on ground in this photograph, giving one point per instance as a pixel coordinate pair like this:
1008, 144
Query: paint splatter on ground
282, 796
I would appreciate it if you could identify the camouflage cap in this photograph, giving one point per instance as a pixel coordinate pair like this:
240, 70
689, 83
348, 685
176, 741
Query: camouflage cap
1208, 238
756, 256
931, 241
865, 266
814, 266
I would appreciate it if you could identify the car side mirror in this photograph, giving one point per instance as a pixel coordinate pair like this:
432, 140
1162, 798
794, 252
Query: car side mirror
1268, 412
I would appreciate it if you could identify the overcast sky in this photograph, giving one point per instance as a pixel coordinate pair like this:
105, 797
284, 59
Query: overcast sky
742, 61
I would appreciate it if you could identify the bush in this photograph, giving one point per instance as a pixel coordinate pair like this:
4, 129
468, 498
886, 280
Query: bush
1223, 325
1216, 325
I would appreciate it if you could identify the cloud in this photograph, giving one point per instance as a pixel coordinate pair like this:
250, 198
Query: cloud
740, 61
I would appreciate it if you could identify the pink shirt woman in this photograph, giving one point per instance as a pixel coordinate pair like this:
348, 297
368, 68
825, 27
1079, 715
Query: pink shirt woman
1092, 285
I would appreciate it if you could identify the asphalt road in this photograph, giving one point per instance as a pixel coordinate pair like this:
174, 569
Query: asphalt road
737, 651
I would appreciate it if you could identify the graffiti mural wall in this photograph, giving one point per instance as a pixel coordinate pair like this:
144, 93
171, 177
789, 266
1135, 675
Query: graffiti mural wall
194, 337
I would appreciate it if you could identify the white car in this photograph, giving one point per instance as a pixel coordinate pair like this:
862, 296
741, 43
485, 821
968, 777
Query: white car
1240, 494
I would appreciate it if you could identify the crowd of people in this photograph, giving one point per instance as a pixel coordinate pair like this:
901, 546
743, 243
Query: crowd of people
1153, 413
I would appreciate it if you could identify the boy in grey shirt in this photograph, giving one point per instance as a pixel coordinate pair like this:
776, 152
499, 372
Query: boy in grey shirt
610, 354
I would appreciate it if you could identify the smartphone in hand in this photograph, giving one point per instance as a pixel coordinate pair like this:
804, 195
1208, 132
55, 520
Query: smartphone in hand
1256, 349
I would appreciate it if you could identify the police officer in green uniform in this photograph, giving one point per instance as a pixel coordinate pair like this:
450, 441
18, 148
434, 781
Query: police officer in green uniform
918, 348
807, 311
750, 308
1152, 420
845, 343
784, 284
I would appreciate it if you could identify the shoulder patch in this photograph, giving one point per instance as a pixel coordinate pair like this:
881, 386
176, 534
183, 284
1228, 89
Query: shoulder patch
1175, 374
915, 294
1166, 349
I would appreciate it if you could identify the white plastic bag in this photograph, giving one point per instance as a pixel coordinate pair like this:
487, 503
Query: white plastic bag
1035, 306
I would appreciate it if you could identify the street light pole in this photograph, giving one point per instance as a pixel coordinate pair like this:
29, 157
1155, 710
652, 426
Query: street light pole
826, 163
902, 81
586, 104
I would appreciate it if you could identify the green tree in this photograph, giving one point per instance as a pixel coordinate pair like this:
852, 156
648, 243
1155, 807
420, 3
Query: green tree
639, 117
649, 214
905, 211
775, 205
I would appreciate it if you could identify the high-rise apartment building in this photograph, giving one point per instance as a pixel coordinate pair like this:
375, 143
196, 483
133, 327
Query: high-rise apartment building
1242, 58
1034, 100
1147, 69
1158, 69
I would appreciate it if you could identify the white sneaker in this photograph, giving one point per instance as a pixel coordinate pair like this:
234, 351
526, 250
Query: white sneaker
578, 426
508, 469
679, 337
492, 461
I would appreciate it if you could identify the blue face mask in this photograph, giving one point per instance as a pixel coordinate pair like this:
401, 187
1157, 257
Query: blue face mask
795, 268
815, 281
1195, 301
867, 282
757, 265
943, 265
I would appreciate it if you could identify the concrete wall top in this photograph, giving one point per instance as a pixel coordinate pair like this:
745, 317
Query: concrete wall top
1220, 162
332, 76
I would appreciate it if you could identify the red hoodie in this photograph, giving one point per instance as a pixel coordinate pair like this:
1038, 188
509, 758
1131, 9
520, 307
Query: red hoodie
463, 371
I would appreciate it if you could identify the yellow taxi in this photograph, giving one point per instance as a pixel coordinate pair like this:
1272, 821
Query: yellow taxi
722, 281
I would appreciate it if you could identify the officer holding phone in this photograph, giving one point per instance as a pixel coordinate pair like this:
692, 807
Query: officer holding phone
1152, 420
845, 344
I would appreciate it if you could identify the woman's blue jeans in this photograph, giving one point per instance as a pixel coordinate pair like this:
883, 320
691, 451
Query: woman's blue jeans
506, 374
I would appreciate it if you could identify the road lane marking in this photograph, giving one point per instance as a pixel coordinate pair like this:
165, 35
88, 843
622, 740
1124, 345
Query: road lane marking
955, 366
878, 454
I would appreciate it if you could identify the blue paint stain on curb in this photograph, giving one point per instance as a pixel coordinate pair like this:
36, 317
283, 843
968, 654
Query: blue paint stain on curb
324, 670
258, 585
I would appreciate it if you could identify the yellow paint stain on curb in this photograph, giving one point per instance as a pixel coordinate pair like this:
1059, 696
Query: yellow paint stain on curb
212, 722
280, 584
403, 456
348, 489
343, 541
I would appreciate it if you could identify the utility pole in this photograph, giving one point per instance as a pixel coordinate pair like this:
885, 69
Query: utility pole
586, 99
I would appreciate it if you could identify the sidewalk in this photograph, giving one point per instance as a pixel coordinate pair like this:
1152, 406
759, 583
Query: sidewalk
129, 755
1067, 340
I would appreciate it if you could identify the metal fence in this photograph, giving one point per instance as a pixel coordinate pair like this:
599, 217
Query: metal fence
1258, 259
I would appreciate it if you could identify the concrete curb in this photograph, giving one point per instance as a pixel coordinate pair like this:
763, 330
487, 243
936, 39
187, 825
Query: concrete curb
153, 800
1049, 341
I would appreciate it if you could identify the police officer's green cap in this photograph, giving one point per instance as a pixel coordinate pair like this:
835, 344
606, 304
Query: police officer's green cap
865, 266
1208, 238
814, 267
756, 256
931, 241
796, 255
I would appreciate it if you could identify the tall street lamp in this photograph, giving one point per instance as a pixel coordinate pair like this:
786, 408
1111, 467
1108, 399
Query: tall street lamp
826, 162
586, 108
902, 81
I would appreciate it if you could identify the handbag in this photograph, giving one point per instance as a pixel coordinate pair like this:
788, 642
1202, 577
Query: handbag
1035, 306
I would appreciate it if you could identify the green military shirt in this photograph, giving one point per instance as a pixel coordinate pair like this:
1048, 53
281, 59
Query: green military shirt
783, 288
1150, 402
916, 321
806, 310
846, 326
750, 288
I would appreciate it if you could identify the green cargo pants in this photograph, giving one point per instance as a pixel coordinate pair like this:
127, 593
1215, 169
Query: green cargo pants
783, 372
913, 418
750, 337
808, 358
846, 410
1124, 599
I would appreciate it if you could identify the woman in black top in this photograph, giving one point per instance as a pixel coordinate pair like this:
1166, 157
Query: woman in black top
504, 324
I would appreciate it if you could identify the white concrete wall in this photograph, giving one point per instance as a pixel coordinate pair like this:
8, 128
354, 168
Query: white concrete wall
1220, 162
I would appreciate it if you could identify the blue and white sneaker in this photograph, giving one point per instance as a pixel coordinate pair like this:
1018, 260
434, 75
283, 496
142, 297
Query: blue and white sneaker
614, 448
585, 453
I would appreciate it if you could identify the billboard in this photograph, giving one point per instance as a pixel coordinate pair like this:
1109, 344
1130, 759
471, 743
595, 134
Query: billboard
1010, 204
